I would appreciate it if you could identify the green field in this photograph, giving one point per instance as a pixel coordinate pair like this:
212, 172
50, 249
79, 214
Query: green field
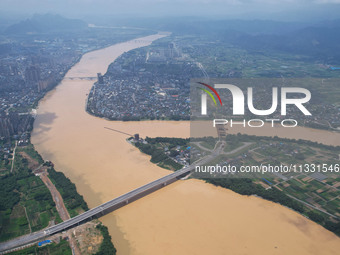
61, 248
323, 194
21, 191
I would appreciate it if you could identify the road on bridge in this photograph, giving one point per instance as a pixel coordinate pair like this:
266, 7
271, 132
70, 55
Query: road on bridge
108, 206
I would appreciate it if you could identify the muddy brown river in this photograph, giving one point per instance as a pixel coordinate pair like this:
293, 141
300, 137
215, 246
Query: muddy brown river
185, 218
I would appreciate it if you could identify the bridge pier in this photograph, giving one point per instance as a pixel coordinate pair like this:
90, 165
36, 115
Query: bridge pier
102, 209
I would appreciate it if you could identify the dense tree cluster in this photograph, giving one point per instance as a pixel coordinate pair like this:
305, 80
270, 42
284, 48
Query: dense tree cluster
172, 140
8, 190
67, 190
106, 247
157, 155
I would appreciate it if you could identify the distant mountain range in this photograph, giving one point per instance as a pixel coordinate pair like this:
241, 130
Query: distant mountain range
252, 27
44, 24
319, 41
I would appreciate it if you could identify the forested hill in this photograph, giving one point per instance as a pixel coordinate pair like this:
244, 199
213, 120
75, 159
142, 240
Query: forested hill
44, 24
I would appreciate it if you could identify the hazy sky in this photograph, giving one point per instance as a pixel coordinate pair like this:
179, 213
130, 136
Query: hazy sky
228, 8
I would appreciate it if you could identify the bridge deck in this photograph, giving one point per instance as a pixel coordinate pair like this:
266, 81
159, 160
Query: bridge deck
95, 212
104, 208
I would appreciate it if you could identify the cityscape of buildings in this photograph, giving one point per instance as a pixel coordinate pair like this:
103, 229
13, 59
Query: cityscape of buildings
145, 84
33, 63
154, 82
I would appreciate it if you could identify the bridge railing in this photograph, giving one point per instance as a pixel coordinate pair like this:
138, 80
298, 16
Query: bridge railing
106, 206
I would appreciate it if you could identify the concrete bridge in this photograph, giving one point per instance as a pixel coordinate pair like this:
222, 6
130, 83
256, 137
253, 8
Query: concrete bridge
81, 78
107, 207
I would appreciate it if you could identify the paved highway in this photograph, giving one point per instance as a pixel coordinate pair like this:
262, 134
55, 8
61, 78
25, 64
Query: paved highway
108, 206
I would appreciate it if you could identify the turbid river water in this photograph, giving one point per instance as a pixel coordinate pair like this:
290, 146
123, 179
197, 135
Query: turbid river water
185, 218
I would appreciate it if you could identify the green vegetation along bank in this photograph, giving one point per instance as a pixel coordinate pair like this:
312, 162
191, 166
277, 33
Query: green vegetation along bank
290, 192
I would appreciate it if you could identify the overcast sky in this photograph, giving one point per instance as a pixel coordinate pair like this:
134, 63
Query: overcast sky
221, 8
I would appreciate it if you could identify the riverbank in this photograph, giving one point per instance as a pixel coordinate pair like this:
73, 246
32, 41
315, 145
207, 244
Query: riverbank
37, 217
47, 197
196, 216
174, 153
